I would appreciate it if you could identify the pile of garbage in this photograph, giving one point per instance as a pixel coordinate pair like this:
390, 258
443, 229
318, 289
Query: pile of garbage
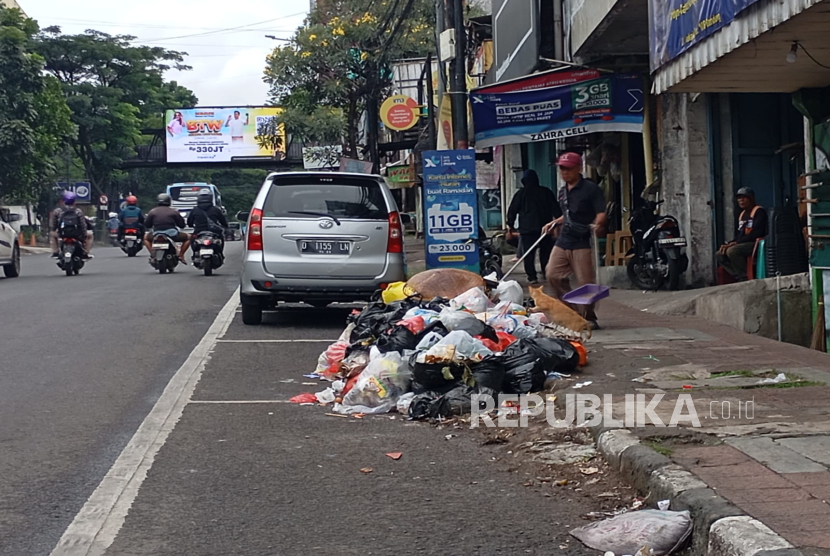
427, 359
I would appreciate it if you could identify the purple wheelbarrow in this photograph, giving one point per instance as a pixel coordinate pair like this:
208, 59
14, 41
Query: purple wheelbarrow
587, 294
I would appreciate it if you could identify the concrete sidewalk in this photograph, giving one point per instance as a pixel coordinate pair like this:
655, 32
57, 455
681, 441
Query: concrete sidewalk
756, 472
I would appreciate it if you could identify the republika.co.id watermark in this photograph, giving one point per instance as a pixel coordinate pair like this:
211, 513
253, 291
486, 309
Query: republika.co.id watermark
588, 410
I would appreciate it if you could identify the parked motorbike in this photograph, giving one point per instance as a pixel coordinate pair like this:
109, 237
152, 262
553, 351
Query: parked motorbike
131, 242
165, 255
207, 252
658, 252
489, 259
71, 252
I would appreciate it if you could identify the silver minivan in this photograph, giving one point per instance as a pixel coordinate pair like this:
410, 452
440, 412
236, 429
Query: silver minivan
319, 237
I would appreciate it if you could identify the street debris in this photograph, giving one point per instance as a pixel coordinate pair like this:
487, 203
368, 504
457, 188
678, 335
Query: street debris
656, 532
428, 359
781, 377
663, 504
304, 398
582, 384
366, 470
589, 470
395, 455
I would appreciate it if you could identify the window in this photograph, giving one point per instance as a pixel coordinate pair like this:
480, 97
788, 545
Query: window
335, 196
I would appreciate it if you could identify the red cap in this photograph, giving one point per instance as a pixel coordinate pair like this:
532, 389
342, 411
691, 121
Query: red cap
570, 160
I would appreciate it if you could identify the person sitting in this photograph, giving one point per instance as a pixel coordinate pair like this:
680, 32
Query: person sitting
166, 220
752, 225
131, 217
206, 217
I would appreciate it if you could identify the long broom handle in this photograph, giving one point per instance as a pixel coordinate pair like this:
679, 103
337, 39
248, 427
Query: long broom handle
526, 253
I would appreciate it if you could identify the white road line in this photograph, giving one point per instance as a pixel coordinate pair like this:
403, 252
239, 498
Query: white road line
219, 402
298, 341
95, 527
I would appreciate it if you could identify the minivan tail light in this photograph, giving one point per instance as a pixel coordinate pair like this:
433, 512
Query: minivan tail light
395, 244
255, 231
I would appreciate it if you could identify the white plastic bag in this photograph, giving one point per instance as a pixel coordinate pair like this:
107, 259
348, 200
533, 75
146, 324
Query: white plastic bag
379, 386
429, 340
510, 291
662, 531
452, 318
456, 346
506, 323
473, 300
404, 402
428, 316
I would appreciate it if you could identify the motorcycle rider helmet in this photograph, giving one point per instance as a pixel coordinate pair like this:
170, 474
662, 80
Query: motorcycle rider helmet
113, 215
132, 200
164, 200
68, 198
205, 198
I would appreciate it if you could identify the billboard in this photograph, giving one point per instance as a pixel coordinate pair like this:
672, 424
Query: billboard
678, 25
222, 134
516, 34
594, 103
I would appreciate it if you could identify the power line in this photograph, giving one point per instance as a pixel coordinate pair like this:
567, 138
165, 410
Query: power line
73, 21
226, 30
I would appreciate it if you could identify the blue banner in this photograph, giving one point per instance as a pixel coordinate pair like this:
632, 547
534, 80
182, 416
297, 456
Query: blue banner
586, 102
81, 189
678, 25
450, 209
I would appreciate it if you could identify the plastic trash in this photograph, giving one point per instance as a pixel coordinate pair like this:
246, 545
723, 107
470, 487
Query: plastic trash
429, 340
489, 373
377, 317
452, 318
528, 361
510, 291
455, 346
456, 401
416, 325
403, 402
328, 364
556, 354
428, 315
509, 308
780, 378
663, 532
524, 332
306, 397
504, 342
399, 338
397, 291
507, 323
379, 386
473, 300
354, 363
325, 396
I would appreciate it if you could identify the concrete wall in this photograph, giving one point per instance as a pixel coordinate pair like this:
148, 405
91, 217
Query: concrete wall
727, 172
585, 16
686, 182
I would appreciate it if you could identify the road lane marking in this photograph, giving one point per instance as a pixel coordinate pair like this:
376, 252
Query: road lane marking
209, 402
97, 524
298, 341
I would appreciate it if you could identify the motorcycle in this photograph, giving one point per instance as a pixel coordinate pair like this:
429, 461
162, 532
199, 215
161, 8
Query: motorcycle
131, 242
207, 252
70, 258
489, 259
658, 252
165, 255
113, 238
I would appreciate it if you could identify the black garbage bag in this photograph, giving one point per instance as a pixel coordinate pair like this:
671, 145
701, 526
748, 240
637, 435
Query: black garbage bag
489, 373
433, 376
456, 401
524, 368
377, 317
556, 354
436, 304
398, 338
475, 327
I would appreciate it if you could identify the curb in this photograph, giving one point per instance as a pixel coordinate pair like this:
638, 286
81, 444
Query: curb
719, 527
34, 250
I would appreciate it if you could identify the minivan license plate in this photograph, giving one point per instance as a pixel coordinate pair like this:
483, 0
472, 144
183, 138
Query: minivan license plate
324, 247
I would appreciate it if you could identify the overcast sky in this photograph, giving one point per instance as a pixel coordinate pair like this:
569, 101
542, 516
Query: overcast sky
227, 63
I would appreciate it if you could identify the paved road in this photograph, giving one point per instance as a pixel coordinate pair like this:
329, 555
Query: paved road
82, 361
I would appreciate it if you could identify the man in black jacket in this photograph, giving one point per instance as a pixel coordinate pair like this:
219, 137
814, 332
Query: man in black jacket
535, 206
207, 217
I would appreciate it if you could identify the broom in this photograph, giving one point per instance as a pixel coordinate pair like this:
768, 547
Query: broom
819, 342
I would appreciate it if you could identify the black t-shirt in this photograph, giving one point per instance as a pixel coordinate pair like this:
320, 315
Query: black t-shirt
198, 219
751, 226
535, 206
580, 206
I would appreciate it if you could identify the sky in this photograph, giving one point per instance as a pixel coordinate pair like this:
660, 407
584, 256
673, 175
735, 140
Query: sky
227, 54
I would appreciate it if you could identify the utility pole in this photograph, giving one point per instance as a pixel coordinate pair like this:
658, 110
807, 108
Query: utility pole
459, 77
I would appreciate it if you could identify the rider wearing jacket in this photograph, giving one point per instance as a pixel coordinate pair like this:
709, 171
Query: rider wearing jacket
131, 217
55, 219
206, 217
164, 218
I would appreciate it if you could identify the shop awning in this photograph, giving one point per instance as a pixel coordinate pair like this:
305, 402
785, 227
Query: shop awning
556, 105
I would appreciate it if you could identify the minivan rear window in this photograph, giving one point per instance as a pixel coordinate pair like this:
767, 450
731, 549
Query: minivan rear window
310, 197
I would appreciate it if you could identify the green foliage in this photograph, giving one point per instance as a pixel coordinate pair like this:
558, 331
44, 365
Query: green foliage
340, 57
113, 90
34, 118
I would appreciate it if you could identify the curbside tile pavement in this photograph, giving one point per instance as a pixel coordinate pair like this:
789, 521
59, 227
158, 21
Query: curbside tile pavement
720, 528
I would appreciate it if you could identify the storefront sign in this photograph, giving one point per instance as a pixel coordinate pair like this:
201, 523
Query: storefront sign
678, 25
402, 175
399, 112
580, 103
450, 209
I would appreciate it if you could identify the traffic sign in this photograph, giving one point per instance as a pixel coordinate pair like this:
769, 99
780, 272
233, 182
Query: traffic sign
104, 200
82, 190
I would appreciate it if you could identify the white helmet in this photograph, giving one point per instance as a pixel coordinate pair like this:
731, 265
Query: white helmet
113, 215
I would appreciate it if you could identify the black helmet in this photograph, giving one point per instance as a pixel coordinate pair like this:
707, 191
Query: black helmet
205, 198
164, 200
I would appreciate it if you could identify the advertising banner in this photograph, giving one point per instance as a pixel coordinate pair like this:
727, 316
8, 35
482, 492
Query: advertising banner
678, 25
400, 176
579, 103
220, 134
450, 209
81, 189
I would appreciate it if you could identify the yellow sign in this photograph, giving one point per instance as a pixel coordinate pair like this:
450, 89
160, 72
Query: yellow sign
399, 112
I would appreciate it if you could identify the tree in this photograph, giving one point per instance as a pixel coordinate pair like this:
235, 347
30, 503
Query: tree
339, 59
113, 89
34, 118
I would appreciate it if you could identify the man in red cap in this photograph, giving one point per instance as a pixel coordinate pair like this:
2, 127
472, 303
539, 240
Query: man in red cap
583, 214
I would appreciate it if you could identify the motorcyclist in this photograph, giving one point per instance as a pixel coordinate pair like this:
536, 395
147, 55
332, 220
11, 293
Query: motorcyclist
167, 220
58, 221
206, 217
131, 217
